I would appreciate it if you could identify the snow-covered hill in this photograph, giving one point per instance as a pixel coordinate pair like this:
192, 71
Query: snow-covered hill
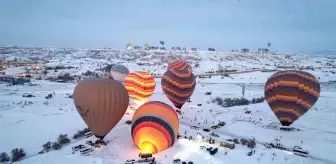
30, 122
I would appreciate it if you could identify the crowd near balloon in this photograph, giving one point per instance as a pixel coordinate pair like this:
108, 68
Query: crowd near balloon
102, 102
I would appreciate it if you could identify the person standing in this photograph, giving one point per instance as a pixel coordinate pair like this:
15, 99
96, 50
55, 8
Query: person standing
243, 89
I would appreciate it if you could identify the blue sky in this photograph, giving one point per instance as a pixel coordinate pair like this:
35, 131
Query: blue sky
290, 25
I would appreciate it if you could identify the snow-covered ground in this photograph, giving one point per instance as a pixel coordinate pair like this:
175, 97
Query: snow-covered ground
30, 122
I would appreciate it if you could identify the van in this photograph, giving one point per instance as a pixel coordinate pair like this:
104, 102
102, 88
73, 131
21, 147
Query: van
88, 134
86, 151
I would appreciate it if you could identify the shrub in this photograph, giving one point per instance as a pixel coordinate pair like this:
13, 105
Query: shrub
56, 146
76, 136
85, 130
258, 100
80, 133
45, 72
214, 134
63, 139
129, 122
4, 157
251, 143
236, 141
218, 100
228, 102
243, 141
47, 146
17, 154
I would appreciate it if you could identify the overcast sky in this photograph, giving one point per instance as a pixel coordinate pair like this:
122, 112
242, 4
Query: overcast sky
290, 25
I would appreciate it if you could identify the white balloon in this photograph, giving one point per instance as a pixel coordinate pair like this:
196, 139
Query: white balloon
119, 72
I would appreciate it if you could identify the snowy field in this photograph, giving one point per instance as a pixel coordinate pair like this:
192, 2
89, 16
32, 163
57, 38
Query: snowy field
30, 122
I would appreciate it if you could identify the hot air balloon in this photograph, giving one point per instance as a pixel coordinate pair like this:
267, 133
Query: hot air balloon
140, 86
290, 94
178, 85
155, 126
162, 43
119, 72
180, 64
128, 46
101, 103
146, 46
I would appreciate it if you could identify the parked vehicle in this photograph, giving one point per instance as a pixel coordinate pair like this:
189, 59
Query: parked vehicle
222, 124
194, 127
78, 147
214, 151
300, 152
88, 134
206, 130
86, 151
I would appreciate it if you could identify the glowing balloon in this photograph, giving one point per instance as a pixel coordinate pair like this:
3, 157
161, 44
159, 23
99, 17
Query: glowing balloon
290, 94
155, 126
129, 46
140, 86
101, 103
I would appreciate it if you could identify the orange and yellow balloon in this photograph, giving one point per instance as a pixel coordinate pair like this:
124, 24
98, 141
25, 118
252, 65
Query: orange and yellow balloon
155, 126
140, 86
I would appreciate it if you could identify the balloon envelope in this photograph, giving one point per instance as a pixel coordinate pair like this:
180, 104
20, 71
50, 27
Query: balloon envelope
178, 85
119, 72
140, 86
179, 64
155, 126
101, 103
290, 94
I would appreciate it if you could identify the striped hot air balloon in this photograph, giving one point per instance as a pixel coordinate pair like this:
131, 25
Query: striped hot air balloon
290, 94
155, 126
178, 85
180, 64
140, 86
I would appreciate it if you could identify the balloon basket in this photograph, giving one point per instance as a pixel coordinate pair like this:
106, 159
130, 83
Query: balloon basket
287, 128
178, 112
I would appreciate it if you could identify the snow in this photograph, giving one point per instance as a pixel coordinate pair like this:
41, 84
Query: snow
29, 123
14, 70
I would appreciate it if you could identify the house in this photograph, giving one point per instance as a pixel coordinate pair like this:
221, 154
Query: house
211, 49
227, 144
243, 50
